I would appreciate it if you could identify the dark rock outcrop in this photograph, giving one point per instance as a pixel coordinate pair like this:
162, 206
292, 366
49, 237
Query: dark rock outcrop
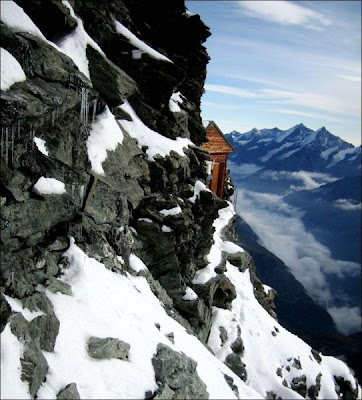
70, 392
178, 373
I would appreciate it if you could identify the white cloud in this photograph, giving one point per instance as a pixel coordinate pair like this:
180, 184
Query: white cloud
312, 100
310, 180
347, 205
351, 78
316, 101
280, 229
348, 320
285, 13
234, 91
319, 116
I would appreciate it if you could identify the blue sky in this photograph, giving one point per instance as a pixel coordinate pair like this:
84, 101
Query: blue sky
280, 63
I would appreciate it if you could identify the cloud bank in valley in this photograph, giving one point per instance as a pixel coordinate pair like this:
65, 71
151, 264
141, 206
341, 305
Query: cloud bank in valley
309, 180
280, 229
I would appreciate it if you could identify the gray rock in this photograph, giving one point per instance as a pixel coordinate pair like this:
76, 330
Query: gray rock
299, 385
55, 286
70, 392
224, 294
233, 387
344, 388
107, 348
296, 364
164, 392
236, 258
238, 345
46, 328
313, 390
108, 79
223, 335
272, 396
178, 372
34, 366
233, 361
5, 312
316, 356
171, 337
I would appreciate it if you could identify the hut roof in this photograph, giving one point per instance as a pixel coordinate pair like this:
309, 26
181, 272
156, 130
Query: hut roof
216, 141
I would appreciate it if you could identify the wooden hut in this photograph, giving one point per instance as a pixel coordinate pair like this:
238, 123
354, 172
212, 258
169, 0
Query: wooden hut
219, 148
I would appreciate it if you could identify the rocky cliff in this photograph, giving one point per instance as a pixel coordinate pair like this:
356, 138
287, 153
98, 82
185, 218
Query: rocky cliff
119, 275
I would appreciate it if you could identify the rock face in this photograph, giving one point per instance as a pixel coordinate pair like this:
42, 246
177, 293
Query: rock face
65, 125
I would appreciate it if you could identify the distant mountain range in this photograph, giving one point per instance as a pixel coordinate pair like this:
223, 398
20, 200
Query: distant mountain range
298, 148
318, 175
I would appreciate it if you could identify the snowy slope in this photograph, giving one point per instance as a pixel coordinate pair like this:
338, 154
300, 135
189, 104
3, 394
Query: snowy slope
120, 305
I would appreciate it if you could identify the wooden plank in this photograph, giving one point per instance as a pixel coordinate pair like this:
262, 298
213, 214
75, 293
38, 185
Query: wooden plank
215, 178
216, 141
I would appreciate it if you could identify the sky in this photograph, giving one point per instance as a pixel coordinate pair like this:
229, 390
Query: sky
281, 63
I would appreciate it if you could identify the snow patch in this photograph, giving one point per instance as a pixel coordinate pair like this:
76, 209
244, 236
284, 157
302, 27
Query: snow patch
75, 44
15, 17
156, 143
171, 211
136, 263
231, 248
49, 186
166, 229
267, 289
174, 102
275, 151
190, 295
16, 306
288, 154
340, 156
142, 46
215, 255
147, 220
40, 144
11, 70
105, 134
199, 186
326, 153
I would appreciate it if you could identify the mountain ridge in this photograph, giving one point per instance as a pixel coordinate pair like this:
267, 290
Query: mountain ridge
297, 148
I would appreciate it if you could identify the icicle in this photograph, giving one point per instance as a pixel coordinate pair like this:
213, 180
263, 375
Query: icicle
53, 117
81, 107
73, 190
81, 194
19, 129
12, 277
2, 141
94, 110
6, 144
12, 143
86, 108
32, 139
